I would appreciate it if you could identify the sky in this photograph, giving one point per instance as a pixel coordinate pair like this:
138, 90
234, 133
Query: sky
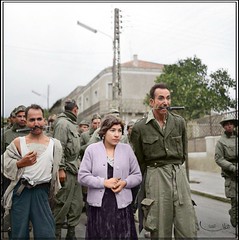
43, 47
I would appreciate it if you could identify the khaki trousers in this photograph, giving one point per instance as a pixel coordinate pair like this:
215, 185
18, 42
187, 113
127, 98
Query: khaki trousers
172, 209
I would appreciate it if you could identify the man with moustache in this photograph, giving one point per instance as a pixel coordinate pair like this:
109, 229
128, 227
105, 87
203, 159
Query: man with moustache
160, 144
31, 163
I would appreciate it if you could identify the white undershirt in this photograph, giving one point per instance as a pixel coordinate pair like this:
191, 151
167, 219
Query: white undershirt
41, 171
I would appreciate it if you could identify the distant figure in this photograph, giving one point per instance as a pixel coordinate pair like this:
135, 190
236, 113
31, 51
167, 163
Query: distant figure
226, 156
31, 163
110, 170
19, 124
50, 124
85, 137
10, 120
129, 130
84, 126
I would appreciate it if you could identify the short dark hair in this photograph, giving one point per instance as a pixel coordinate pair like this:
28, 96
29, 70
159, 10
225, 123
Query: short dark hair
158, 85
34, 106
70, 104
108, 122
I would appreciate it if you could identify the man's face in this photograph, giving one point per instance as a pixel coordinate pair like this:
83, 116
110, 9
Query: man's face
84, 127
162, 99
96, 123
36, 121
20, 119
228, 126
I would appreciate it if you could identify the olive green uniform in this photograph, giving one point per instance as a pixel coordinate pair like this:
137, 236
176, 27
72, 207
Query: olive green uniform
11, 133
226, 157
69, 201
166, 192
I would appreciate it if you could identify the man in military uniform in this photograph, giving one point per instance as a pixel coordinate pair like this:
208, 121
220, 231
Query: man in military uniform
84, 126
10, 120
95, 123
17, 129
129, 130
226, 156
160, 144
69, 200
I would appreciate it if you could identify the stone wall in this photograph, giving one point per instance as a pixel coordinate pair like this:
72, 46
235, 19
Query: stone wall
204, 160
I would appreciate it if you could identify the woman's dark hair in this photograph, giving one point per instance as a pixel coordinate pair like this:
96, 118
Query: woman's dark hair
158, 85
108, 122
34, 106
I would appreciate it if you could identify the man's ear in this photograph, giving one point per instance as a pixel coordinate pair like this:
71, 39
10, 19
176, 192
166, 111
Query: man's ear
151, 102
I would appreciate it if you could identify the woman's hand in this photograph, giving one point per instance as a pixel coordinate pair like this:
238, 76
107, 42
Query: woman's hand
119, 186
111, 182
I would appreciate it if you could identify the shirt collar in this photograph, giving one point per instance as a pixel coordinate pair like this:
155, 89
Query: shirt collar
151, 117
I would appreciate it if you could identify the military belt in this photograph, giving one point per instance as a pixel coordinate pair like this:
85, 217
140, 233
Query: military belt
24, 183
156, 164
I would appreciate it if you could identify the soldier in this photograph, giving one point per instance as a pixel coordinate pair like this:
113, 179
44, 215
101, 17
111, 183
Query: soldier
160, 144
69, 200
11, 120
129, 130
20, 124
95, 123
227, 158
83, 126
50, 124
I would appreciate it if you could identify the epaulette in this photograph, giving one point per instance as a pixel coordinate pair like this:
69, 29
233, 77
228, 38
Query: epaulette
176, 115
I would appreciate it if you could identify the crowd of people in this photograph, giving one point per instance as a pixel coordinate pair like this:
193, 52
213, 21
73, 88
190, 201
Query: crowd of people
54, 169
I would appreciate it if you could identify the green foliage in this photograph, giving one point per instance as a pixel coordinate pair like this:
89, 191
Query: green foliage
193, 88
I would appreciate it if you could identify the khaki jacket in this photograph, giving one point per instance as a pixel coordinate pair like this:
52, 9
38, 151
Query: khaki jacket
226, 155
65, 130
151, 144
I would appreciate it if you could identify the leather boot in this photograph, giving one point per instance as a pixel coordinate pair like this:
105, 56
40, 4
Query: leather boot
58, 232
71, 233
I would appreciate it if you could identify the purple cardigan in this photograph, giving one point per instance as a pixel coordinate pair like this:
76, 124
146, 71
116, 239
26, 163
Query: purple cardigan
93, 172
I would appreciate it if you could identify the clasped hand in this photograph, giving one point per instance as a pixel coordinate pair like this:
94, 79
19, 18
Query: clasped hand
115, 184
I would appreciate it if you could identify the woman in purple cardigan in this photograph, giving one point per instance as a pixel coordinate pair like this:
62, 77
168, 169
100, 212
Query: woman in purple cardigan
110, 170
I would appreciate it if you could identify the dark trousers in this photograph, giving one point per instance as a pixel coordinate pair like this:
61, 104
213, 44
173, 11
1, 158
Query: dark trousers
32, 205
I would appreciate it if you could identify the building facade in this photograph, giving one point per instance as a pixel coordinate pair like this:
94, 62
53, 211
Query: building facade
137, 77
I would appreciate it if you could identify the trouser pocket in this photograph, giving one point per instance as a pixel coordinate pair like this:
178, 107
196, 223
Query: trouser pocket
149, 219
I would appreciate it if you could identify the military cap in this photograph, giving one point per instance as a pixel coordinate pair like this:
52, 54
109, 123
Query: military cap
20, 108
130, 123
113, 111
229, 118
12, 114
84, 122
95, 116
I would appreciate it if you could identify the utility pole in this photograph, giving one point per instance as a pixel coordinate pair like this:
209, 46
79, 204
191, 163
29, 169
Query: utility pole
116, 79
116, 68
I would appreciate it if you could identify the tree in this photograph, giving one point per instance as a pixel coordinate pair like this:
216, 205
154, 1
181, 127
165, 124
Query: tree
193, 88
